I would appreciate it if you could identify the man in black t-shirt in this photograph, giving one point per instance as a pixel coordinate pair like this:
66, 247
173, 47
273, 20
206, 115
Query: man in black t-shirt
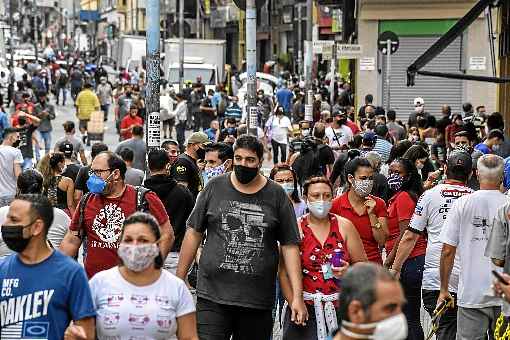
185, 169
27, 124
243, 217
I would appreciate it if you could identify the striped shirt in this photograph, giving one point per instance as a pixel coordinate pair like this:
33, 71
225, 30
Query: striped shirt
383, 148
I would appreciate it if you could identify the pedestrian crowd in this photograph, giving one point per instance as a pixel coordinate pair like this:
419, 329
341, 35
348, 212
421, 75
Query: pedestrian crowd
361, 220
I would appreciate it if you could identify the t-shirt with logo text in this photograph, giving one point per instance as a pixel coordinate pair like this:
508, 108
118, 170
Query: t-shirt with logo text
102, 224
126, 311
38, 301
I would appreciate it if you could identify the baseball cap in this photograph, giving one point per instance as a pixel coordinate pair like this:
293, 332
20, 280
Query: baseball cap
460, 160
369, 137
418, 101
66, 147
198, 138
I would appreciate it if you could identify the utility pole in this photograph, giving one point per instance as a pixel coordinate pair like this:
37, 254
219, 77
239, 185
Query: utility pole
36, 35
300, 39
153, 128
198, 19
181, 45
11, 14
251, 66
308, 45
388, 71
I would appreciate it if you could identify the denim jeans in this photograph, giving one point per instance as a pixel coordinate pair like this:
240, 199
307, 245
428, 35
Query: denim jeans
411, 277
64, 94
28, 163
105, 108
46, 137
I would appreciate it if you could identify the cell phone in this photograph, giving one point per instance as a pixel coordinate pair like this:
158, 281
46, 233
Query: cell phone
499, 277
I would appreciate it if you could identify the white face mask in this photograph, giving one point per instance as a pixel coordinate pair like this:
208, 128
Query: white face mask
418, 109
420, 165
319, 209
392, 328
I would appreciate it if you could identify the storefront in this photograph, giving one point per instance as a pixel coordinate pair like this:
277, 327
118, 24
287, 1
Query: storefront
418, 26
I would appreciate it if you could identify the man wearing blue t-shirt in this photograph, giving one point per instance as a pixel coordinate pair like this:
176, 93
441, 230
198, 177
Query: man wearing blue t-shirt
284, 97
491, 143
42, 290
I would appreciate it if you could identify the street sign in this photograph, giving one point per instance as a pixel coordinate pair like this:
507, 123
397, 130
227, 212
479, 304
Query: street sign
382, 42
323, 46
153, 130
478, 63
309, 112
349, 51
367, 64
241, 4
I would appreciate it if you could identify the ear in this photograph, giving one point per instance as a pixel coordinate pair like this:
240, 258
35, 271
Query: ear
356, 313
228, 165
38, 228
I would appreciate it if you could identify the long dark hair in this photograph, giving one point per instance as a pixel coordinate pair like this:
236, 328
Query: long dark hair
412, 183
285, 167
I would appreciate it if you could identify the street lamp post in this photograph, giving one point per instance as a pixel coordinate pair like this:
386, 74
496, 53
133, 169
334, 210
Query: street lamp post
251, 66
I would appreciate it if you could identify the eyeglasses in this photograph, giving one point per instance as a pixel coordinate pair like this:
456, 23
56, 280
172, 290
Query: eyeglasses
98, 172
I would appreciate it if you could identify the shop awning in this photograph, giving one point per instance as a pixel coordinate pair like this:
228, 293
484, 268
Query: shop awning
446, 40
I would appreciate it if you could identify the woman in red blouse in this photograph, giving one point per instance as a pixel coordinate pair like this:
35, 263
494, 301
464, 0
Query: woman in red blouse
366, 212
406, 184
329, 244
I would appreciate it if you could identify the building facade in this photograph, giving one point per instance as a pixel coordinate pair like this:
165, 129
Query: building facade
419, 24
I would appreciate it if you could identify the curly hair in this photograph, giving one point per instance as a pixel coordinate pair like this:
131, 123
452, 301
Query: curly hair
48, 165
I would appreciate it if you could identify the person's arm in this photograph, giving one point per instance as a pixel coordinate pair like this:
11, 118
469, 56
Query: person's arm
51, 113
292, 261
187, 327
496, 248
445, 270
70, 244
167, 238
17, 169
380, 234
83, 157
402, 226
190, 244
70, 195
84, 329
35, 120
283, 278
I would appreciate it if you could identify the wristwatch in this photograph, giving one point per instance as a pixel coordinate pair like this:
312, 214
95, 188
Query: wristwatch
377, 225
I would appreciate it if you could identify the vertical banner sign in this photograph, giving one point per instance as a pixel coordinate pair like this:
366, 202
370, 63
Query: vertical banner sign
253, 120
251, 59
153, 130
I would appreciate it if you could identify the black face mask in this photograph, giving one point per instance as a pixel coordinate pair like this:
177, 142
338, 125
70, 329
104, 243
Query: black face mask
200, 153
245, 174
342, 121
13, 237
16, 143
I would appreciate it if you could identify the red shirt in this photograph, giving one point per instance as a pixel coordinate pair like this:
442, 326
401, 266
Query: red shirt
342, 206
353, 126
400, 208
127, 122
314, 255
102, 225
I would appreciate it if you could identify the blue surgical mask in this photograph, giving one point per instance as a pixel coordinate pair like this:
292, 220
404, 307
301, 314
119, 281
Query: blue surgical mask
319, 209
96, 184
288, 187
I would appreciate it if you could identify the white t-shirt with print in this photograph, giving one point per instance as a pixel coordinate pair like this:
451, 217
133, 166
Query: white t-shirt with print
280, 128
339, 137
467, 227
430, 215
126, 311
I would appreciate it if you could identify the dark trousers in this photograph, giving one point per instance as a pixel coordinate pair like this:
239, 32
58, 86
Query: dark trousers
105, 108
448, 322
220, 322
180, 129
276, 148
411, 277
291, 331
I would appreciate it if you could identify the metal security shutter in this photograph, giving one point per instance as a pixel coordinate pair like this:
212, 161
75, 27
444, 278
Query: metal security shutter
435, 91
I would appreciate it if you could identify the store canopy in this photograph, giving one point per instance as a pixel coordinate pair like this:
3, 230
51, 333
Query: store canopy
446, 40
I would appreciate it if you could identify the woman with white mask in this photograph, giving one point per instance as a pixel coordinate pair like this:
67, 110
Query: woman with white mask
284, 175
138, 298
329, 244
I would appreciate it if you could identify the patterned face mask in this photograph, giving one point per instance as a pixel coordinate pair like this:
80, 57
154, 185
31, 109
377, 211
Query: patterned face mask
363, 187
395, 182
138, 257
210, 173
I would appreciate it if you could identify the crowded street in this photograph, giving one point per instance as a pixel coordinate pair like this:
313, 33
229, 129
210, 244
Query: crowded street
254, 169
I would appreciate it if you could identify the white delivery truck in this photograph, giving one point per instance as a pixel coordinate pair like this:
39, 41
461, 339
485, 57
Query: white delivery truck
202, 58
130, 50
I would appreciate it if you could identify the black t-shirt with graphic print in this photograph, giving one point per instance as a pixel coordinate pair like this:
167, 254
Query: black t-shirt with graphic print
239, 261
